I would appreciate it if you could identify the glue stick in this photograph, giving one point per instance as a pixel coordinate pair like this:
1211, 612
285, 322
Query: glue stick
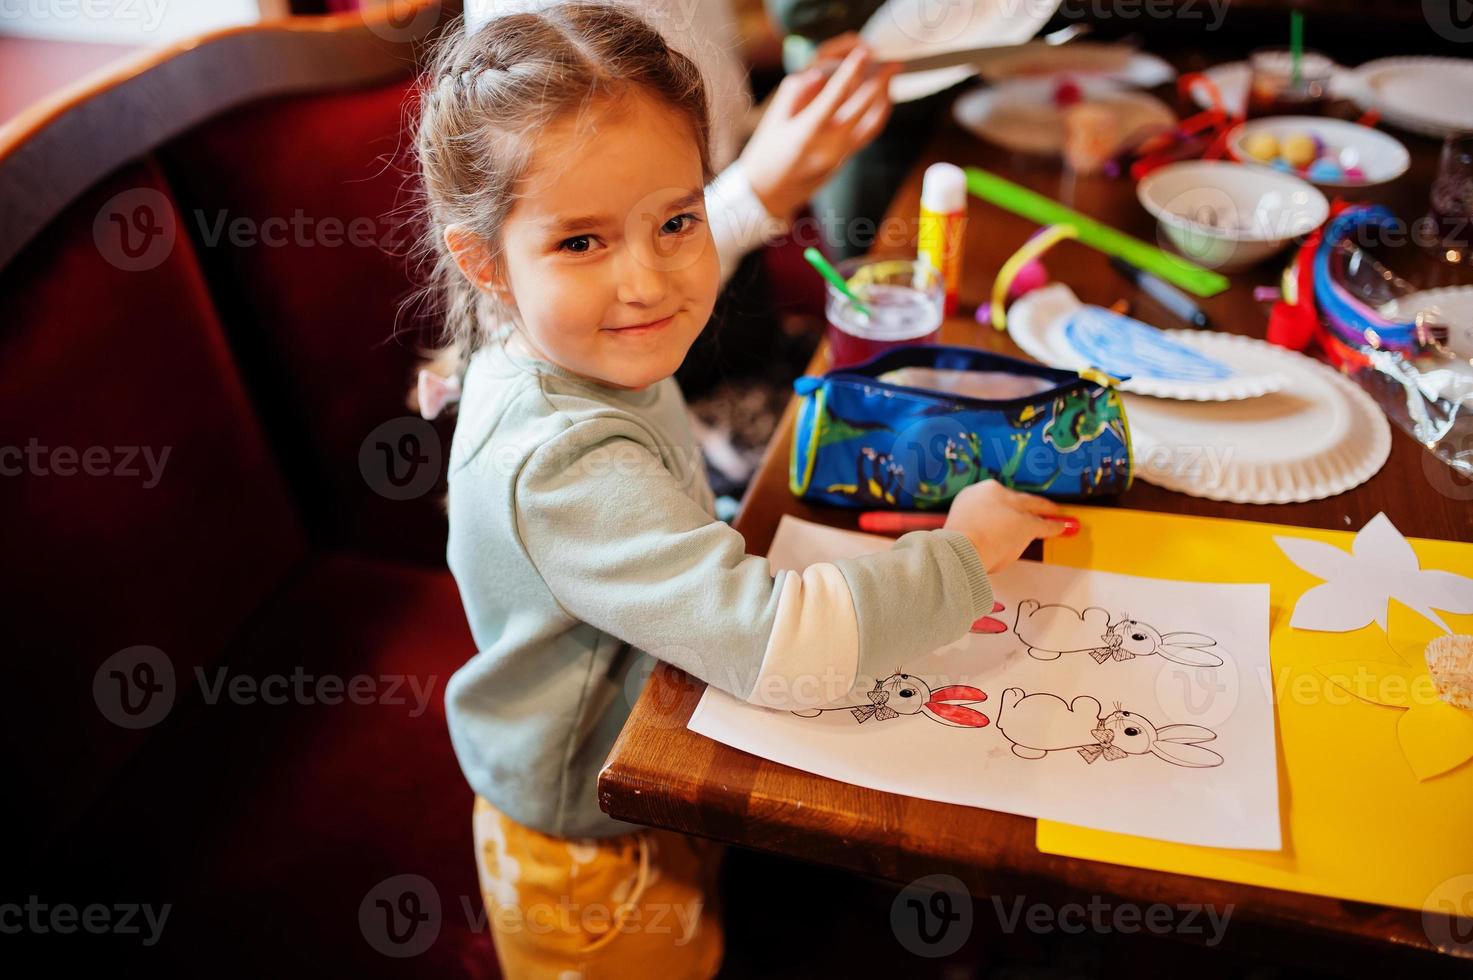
943, 220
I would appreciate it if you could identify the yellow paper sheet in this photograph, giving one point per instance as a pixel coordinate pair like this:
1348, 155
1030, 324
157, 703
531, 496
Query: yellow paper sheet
1357, 822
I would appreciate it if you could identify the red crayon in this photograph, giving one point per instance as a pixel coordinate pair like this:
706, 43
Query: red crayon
900, 522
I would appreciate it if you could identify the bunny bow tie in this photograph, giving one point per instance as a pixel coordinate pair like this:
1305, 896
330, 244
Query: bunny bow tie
1114, 650
877, 711
1104, 747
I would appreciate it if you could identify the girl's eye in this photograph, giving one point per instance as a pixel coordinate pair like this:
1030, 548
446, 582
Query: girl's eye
577, 244
679, 223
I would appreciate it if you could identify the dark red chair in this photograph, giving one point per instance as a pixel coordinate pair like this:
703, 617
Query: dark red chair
223, 527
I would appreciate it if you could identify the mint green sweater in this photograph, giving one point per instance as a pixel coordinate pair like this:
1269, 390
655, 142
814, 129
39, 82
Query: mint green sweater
583, 539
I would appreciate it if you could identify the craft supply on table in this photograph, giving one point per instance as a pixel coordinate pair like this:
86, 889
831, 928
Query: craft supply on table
1043, 734
903, 29
943, 226
1101, 237
1227, 216
998, 385
1118, 63
1452, 194
898, 522
1088, 121
1326, 152
1174, 300
904, 298
1361, 728
1318, 436
1421, 94
859, 441
1158, 363
826, 269
1449, 305
1405, 360
1233, 79
1273, 89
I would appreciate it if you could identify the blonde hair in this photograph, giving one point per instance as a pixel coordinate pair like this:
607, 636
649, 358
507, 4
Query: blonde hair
483, 100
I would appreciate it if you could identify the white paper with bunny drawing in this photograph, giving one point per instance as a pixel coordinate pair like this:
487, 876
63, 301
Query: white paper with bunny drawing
1129, 704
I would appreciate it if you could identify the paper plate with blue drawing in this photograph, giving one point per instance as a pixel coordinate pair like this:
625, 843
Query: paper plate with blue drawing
1052, 326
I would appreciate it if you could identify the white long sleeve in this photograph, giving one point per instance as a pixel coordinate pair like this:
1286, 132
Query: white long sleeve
739, 221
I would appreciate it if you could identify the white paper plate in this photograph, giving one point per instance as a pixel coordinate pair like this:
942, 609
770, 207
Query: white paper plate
1380, 156
1233, 78
1454, 304
1117, 63
1021, 115
909, 28
1318, 437
1037, 322
1433, 96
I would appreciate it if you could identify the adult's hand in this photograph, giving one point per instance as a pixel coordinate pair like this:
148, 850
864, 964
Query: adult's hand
816, 122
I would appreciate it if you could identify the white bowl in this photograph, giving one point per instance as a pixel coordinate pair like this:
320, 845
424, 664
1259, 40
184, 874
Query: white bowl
1227, 216
1379, 156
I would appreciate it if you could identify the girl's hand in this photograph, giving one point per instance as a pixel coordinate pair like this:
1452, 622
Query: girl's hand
1001, 522
815, 122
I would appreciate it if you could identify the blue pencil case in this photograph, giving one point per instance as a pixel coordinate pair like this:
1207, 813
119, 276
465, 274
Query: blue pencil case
860, 441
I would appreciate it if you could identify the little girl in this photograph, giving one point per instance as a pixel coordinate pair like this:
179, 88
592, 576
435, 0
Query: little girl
564, 156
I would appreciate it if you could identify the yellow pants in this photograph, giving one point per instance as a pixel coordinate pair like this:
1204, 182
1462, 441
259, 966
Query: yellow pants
639, 904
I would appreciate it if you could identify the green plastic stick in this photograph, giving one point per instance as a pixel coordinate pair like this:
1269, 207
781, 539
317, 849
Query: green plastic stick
1021, 201
1296, 44
815, 258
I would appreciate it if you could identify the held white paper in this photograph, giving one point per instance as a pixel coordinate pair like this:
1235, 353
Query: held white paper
1129, 704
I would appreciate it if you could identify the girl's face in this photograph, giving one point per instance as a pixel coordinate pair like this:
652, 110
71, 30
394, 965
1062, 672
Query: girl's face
607, 254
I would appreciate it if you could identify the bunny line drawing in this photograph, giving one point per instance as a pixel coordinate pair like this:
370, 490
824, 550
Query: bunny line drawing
1037, 724
1056, 629
905, 694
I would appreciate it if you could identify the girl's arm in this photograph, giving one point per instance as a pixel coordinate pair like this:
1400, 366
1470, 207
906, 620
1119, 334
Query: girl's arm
739, 220
623, 548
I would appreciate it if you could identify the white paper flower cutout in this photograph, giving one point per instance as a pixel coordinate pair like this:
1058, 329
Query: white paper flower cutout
1359, 586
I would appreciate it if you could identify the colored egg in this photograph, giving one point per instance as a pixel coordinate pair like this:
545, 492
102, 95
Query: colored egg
1279, 163
1261, 146
1326, 170
1298, 149
1354, 173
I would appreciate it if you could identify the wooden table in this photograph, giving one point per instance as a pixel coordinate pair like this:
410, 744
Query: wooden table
661, 774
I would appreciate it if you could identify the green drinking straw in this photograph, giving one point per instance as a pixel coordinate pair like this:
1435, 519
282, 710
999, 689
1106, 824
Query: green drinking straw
1101, 237
1296, 44
815, 258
